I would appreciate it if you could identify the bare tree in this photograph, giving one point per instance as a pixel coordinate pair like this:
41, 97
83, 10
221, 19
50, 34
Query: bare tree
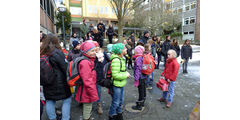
123, 8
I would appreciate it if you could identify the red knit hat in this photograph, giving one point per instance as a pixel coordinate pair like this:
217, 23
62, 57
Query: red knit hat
87, 46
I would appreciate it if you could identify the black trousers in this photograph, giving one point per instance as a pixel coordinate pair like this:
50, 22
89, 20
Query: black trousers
41, 109
142, 89
110, 39
130, 62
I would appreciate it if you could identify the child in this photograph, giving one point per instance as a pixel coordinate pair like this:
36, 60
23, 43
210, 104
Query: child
87, 93
109, 50
119, 76
140, 78
75, 51
101, 59
149, 81
170, 74
186, 53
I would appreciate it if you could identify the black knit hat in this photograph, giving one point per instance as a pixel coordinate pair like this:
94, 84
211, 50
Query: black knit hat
75, 43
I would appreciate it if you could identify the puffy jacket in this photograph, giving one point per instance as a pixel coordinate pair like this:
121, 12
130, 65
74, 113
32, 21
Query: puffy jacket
137, 66
166, 46
176, 48
88, 75
73, 54
171, 69
186, 52
110, 31
118, 76
59, 89
144, 40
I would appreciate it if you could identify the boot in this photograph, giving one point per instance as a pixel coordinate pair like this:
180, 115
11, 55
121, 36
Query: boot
99, 109
138, 106
113, 117
168, 104
119, 116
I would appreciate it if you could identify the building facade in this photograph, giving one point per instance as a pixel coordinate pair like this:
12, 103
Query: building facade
47, 19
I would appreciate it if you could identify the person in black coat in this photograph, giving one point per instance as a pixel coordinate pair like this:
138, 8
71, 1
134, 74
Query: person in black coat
101, 28
110, 33
58, 89
186, 53
159, 50
75, 51
145, 37
166, 46
175, 46
97, 36
132, 38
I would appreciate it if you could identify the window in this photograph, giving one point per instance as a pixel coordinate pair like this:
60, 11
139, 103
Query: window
101, 10
52, 12
186, 21
45, 4
90, 9
193, 6
185, 33
187, 8
191, 32
41, 2
95, 9
175, 11
113, 11
180, 10
106, 10
192, 20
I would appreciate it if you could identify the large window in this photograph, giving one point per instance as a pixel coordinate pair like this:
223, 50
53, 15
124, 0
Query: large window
186, 21
106, 10
192, 20
101, 10
90, 9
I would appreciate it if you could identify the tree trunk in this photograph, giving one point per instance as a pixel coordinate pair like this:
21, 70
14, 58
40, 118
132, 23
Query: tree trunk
120, 31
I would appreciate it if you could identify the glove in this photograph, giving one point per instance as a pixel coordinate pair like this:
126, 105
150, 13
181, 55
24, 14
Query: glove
136, 83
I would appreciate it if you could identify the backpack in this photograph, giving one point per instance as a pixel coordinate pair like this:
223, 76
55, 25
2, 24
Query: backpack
148, 64
107, 74
73, 77
47, 74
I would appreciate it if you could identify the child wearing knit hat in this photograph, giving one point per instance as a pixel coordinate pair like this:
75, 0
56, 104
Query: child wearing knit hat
119, 76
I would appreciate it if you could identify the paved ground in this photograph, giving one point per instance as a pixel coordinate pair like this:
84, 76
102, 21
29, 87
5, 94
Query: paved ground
187, 93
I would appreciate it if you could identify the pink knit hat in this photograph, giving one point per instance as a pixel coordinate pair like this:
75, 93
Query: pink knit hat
139, 49
87, 46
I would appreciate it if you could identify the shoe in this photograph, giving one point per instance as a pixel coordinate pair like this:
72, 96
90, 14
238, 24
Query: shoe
99, 109
149, 88
119, 116
139, 106
162, 100
113, 117
168, 104
59, 117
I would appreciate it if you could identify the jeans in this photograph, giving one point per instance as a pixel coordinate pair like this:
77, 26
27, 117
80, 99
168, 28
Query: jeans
170, 91
87, 109
117, 101
149, 81
185, 64
50, 109
99, 93
159, 59
142, 90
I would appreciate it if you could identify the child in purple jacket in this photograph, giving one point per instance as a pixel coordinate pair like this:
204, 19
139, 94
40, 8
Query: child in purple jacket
139, 77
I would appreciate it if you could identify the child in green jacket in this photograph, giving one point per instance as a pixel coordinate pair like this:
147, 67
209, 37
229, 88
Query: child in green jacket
119, 76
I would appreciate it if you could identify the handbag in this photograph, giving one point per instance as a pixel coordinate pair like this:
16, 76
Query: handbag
162, 84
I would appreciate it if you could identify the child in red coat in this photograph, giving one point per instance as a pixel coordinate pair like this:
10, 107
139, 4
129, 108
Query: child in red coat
170, 74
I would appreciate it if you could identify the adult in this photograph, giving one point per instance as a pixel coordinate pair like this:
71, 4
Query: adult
133, 40
159, 50
110, 33
166, 47
58, 89
97, 37
83, 29
100, 30
145, 37
186, 53
103, 26
175, 46
74, 38
91, 27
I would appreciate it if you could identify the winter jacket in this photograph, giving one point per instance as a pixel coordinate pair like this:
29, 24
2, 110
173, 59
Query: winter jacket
99, 66
73, 54
176, 48
133, 41
166, 46
97, 37
137, 66
118, 76
110, 32
83, 29
59, 89
88, 75
103, 26
144, 40
153, 50
159, 48
171, 69
186, 52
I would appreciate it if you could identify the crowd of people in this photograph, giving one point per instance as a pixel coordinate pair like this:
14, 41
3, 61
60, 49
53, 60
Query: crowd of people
129, 55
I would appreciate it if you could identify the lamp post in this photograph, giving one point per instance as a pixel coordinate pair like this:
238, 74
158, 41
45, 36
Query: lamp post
62, 9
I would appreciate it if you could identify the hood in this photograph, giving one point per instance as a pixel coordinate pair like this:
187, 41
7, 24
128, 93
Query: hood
170, 60
135, 56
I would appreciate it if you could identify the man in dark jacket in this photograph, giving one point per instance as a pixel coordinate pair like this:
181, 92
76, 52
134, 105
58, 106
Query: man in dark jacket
145, 37
110, 33
186, 53
132, 37
166, 46
75, 52
102, 29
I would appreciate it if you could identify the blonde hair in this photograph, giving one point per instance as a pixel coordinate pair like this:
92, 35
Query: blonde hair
173, 52
95, 30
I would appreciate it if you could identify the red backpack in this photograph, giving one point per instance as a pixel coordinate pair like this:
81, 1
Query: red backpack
148, 64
